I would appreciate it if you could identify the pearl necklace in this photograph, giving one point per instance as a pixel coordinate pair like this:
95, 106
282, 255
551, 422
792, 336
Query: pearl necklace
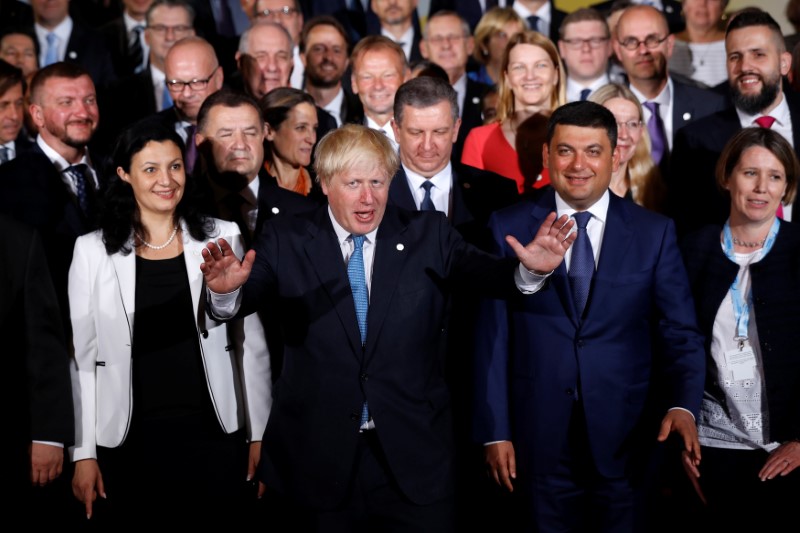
747, 244
169, 241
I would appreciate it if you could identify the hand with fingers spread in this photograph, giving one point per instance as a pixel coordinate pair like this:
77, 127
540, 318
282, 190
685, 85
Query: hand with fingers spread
546, 251
221, 268
501, 463
782, 461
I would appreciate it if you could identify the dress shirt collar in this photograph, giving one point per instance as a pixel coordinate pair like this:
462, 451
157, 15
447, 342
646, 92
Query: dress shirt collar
599, 209
544, 13
334, 107
440, 193
58, 161
62, 31
386, 128
12, 149
780, 114
405, 40
250, 193
460, 87
574, 88
297, 77
343, 236
131, 23
663, 99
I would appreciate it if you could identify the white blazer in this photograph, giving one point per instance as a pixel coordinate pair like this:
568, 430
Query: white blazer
102, 291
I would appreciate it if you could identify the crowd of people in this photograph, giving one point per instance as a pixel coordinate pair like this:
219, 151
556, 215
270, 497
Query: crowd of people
343, 266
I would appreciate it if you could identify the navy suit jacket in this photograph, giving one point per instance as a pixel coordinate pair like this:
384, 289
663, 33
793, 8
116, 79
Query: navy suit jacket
535, 356
87, 48
312, 436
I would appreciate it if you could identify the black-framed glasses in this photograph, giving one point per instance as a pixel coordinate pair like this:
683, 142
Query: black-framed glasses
176, 86
163, 29
280, 12
593, 42
650, 42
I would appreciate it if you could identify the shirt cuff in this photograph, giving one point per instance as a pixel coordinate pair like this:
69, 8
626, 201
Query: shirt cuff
529, 282
684, 409
49, 443
223, 305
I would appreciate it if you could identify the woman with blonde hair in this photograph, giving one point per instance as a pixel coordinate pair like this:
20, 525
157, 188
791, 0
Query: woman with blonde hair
492, 34
638, 177
533, 83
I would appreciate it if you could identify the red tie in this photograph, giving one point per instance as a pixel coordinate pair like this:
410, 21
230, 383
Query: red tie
766, 121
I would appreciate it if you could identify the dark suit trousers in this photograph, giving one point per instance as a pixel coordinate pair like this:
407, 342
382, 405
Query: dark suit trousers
576, 497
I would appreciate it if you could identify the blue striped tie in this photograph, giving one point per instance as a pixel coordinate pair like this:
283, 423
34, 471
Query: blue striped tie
358, 285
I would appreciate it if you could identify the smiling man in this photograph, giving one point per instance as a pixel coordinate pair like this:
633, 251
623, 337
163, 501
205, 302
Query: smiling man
757, 62
565, 397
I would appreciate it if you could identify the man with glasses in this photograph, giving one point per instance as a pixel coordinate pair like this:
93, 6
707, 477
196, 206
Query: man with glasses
448, 42
585, 46
287, 13
193, 73
643, 45
145, 93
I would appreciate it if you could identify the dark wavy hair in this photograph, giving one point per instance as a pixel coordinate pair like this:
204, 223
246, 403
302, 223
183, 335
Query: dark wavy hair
119, 213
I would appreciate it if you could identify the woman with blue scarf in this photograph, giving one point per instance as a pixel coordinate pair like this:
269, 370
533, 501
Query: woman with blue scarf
745, 279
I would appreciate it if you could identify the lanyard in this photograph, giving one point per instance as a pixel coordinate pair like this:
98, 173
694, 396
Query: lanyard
741, 301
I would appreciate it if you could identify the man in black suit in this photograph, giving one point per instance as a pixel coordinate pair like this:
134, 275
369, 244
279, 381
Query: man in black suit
448, 43
359, 436
63, 39
37, 392
396, 20
756, 66
221, 22
124, 38
52, 187
643, 45
541, 16
12, 90
324, 49
140, 95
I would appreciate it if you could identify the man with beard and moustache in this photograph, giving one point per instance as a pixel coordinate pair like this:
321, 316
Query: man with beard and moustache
324, 50
53, 186
643, 45
757, 62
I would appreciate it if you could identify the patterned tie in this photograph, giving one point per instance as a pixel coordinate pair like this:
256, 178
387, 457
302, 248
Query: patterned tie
166, 98
427, 202
655, 127
358, 285
135, 50
191, 148
80, 178
51, 54
585, 94
581, 267
4, 154
533, 22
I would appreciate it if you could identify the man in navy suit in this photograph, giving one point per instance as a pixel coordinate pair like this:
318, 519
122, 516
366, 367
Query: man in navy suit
359, 434
573, 379
12, 90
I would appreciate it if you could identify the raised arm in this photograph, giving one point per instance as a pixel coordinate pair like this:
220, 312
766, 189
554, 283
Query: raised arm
221, 268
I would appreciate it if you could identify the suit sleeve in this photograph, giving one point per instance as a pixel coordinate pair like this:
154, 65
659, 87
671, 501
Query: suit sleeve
84, 340
47, 359
255, 371
683, 354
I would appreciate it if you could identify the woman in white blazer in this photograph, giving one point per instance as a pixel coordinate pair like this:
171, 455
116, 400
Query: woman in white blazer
165, 397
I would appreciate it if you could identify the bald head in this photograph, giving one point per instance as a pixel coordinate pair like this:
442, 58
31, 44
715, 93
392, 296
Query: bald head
192, 73
644, 45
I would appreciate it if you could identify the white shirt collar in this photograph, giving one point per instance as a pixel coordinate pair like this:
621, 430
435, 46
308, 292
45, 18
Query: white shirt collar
386, 128
58, 161
12, 146
663, 99
574, 88
334, 107
131, 23
62, 31
405, 40
250, 193
599, 209
440, 193
780, 114
342, 235
460, 87
544, 13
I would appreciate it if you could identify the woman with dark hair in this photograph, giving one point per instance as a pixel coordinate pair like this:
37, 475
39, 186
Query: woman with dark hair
165, 397
745, 278
291, 118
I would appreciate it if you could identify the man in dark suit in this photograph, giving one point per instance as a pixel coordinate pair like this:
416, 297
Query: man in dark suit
37, 390
672, 10
573, 380
448, 43
541, 16
221, 22
643, 45
755, 77
124, 38
63, 39
397, 20
52, 187
324, 50
359, 435
12, 90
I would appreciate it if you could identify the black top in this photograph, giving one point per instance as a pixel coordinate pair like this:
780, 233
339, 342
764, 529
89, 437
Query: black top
168, 378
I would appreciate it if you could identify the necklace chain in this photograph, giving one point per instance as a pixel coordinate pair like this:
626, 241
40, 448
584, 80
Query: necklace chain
169, 241
747, 244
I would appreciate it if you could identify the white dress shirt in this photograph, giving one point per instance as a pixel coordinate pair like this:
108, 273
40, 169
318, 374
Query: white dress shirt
544, 13
130, 24
62, 164
664, 99
386, 129
440, 192
11, 150
298, 71
405, 41
574, 88
334, 107
460, 87
159, 80
62, 31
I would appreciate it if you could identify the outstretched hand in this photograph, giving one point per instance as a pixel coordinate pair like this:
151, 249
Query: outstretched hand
221, 268
546, 251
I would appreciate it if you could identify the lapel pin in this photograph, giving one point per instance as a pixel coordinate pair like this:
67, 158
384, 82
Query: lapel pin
668, 9
400, 247
467, 185
72, 54
687, 116
476, 100
275, 210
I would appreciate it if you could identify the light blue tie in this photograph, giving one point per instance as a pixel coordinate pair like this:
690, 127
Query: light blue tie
358, 285
166, 99
51, 54
581, 266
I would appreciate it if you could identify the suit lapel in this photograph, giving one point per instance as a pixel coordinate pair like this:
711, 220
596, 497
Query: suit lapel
325, 256
617, 238
192, 257
459, 213
386, 268
400, 192
125, 270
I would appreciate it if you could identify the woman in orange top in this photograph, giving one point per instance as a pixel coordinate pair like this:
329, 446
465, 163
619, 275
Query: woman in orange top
533, 83
291, 121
